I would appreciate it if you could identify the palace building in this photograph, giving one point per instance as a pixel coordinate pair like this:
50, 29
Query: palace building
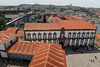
67, 31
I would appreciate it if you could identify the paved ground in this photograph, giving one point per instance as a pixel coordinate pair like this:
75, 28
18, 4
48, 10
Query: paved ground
78, 59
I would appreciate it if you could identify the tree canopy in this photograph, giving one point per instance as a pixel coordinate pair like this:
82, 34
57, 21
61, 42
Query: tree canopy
2, 23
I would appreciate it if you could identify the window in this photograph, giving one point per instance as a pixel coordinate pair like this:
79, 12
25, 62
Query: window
86, 40
69, 34
73, 41
78, 34
54, 35
29, 36
77, 42
39, 36
90, 42
83, 34
82, 41
62, 35
68, 42
49, 35
34, 36
92, 34
74, 34
44, 35
87, 34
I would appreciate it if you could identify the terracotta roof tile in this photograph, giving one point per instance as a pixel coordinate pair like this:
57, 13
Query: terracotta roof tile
7, 34
12, 30
79, 24
20, 33
49, 56
25, 47
4, 37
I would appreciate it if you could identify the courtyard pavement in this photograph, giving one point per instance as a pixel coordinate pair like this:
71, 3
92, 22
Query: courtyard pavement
86, 59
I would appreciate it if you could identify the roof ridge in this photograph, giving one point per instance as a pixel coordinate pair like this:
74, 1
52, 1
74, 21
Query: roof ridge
57, 56
47, 55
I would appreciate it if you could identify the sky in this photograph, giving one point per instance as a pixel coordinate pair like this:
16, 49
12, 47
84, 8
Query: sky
82, 3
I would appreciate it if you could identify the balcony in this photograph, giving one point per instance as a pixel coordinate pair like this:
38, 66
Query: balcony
79, 37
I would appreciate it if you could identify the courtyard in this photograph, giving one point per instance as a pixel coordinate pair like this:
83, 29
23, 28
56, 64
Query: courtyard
86, 59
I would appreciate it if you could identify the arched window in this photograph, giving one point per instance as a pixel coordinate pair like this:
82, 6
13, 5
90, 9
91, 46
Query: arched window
44, 35
29, 36
77, 42
39, 36
34, 36
74, 34
83, 34
73, 41
92, 34
49, 35
54, 35
87, 34
86, 40
68, 42
69, 34
82, 41
79, 34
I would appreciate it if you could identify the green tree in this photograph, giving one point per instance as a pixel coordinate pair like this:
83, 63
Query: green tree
2, 23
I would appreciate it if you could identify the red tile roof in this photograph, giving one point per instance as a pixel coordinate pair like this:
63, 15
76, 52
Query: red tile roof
7, 34
20, 33
25, 47
12, 30
4, 37
49, 56
70, 24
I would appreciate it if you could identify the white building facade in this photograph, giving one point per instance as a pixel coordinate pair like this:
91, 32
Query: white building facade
65, 37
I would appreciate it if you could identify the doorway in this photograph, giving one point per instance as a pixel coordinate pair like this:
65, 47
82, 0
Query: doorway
62, 43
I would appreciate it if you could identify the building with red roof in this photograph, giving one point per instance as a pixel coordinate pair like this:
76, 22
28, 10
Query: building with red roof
7, 39
40, 54
66, 30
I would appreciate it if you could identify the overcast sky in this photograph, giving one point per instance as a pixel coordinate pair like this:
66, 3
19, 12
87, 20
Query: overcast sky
83, 3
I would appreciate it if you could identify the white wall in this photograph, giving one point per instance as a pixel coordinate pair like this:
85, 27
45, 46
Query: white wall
42, 32
2, 47
8, 42
4, 55
66, 35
